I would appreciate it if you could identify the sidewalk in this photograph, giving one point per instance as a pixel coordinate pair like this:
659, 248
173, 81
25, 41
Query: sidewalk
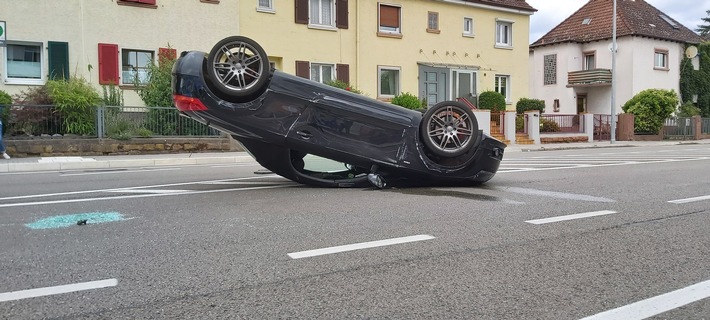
177, 159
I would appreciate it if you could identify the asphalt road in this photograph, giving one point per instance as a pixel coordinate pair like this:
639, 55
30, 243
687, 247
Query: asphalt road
555, 235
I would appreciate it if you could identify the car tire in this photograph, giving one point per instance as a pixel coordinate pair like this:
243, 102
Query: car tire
449, 129
238, 69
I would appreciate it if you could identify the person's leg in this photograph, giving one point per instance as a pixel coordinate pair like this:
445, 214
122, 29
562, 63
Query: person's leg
2, 146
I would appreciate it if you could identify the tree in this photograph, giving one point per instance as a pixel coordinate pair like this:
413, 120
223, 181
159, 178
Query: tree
704, 29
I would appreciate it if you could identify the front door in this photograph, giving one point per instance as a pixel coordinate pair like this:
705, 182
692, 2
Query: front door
581, 103
432, 84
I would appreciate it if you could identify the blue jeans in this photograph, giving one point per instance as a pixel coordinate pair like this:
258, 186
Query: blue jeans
2, 146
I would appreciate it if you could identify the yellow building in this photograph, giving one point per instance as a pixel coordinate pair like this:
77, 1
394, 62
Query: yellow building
104, 41
436, 49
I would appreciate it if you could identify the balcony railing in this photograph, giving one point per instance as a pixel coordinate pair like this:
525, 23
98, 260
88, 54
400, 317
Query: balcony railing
589, 78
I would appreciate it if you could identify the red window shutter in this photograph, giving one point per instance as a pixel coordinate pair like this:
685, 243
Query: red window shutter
343, 72
166, 54
303, 69
341, 14
389, 16
108, 63
302, 11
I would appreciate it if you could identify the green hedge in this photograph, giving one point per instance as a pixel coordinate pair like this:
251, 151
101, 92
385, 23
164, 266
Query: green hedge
491, 100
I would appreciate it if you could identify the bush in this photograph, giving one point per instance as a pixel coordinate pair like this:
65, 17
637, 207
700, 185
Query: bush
548, 125
76, 100
650, 108
688, 110
343, 85
525, 104
408, 101
491, 100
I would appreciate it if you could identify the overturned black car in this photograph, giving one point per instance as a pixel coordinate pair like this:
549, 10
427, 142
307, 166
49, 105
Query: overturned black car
280, 119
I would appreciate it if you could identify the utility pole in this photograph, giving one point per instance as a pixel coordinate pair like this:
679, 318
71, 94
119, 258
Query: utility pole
613, 77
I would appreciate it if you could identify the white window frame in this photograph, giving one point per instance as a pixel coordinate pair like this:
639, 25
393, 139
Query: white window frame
268, 8
389, 30
470, 31
131, 76
585, 60
318, 68
42, 63
504, 31
663, 54
318, 24
454, 80
507, 86
398, 81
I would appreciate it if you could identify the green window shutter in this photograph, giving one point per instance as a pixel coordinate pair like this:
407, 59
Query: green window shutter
58, 60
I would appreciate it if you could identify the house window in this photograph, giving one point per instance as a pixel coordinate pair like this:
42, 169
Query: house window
504, 33
322, 73
134, 67
389, 19
660, 60
550, 72
321, 13
467, 27
432, 22
23, 64
265, 6
502, 86
589, 62
388, 78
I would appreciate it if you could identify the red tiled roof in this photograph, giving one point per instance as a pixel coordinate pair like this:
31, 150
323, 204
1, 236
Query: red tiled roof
513, 4
634, 18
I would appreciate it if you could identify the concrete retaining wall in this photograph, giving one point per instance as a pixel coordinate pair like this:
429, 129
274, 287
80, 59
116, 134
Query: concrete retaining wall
64, 146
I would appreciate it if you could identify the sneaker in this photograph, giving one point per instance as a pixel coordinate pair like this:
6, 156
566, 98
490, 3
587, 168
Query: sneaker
5, 155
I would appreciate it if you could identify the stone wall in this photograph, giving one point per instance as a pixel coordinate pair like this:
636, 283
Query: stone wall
64, 146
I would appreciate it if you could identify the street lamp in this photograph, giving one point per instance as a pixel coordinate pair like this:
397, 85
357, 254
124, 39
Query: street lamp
613, 76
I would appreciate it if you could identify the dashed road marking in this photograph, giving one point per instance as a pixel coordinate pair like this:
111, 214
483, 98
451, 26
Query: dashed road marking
48, 291
688, 200
358, 246
571, 217
656, 305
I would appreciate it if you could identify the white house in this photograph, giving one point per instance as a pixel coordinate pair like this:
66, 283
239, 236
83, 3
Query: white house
570, 66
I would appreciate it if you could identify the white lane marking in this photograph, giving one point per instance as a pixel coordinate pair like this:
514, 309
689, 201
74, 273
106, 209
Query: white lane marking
554, 194
127, 188
233, 182
688, 200
358, 246
656, 305
48, 291
610, 164
235, 165
110, 171
148, 191
24, 204
571, 217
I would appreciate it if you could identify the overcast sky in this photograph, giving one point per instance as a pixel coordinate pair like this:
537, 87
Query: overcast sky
551, 12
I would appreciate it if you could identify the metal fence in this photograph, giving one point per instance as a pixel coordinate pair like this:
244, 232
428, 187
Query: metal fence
571, 123
109, 122
521, 123
602, 127
679, 128
705, 125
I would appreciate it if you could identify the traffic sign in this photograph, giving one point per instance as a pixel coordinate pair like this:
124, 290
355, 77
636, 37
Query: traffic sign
3, 33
